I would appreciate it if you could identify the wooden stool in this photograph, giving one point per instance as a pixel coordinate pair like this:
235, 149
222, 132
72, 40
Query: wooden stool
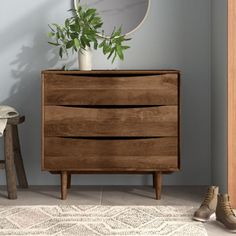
12, 154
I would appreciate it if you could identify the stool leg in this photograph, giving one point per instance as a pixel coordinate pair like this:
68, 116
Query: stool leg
20, 171
9, 163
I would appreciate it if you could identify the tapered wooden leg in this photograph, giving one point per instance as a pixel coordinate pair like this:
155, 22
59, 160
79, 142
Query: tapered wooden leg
68, 180
158, 184
20, 171
63, 185
9, 163
154, 180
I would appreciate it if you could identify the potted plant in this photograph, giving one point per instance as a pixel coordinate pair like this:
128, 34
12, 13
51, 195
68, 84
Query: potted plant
82, 32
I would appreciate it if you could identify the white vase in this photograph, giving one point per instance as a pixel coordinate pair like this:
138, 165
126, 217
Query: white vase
85, 59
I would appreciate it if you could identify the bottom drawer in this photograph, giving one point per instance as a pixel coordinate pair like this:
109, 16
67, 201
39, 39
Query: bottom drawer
110, 154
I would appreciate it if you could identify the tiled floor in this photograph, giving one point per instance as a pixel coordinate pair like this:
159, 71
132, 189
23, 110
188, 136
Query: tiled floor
115, 195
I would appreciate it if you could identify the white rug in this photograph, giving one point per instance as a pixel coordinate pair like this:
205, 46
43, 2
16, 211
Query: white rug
99, 220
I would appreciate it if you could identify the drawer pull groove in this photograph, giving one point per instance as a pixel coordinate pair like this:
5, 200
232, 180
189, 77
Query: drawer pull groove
115, 138
110, 106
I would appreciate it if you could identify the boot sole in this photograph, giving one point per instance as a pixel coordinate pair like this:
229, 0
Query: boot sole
200, 219
203, 220
229, 230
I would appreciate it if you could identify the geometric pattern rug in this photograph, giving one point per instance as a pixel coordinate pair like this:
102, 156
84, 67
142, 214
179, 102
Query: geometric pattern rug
72, 220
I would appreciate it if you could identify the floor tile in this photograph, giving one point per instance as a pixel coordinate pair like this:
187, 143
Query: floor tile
50, 195
136, 195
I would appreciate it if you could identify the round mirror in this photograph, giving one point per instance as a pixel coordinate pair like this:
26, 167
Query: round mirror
129, 14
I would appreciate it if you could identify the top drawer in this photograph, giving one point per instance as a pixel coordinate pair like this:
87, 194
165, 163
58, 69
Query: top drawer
66, 89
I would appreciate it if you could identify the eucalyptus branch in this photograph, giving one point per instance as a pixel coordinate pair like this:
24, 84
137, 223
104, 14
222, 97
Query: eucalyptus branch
84, 29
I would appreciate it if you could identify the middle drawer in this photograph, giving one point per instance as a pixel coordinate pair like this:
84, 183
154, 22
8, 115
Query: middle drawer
116, 122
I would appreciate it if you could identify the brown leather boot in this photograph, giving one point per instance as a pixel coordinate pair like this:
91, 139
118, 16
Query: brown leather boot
225, 214
208, 205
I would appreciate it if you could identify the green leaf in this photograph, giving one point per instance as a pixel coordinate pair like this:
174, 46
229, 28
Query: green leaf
69, 44
96, 20
90, 18
58, 35
67, 22
77, 43
91, 37
73, 35
119, 52
97, 26
96, 45
51, 28
114, 58
125, 47
51, 34
54, 44
88, 32
73, 10
57, 26
75, 28
119, 31
82, 42
102, 44
86, 41
127, 39
112, 51
61, 52
106, 49
83, 29
90, 11
113, 32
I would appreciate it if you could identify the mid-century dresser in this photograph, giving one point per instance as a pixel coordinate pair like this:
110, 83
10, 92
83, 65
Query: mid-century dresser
110, 122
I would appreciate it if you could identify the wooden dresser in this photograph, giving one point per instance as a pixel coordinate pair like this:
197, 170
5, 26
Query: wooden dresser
110, 122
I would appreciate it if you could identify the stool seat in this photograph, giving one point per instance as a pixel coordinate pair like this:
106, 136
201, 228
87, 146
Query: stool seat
16, 120
13, 159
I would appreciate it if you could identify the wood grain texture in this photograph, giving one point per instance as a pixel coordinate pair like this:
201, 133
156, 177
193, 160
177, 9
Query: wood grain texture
110, 122
99, 154
232, 101
87, 154
132, 90
167, 146
148, 121
117, 163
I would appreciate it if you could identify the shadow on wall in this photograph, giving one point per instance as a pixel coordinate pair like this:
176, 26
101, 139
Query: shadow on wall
26, 73
34, 55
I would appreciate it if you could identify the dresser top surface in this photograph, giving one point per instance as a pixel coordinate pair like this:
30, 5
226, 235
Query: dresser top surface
111, 72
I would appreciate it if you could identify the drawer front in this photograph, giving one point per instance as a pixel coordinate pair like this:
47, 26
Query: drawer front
121, 122
113, 154
130, 90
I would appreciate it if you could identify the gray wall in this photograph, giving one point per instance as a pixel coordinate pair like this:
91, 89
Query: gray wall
219, 94
176, 34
